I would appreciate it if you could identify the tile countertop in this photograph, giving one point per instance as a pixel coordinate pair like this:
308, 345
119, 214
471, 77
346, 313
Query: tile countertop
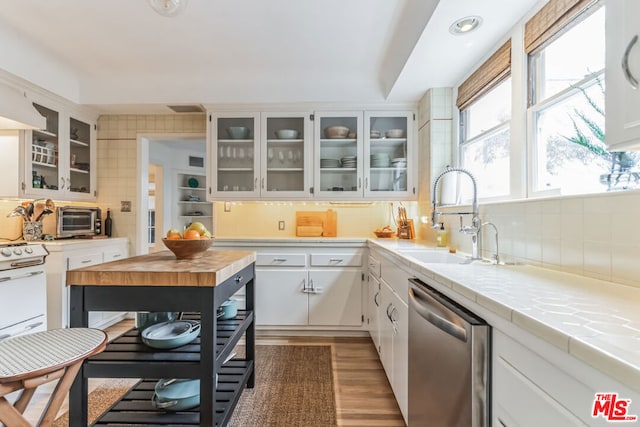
596, 321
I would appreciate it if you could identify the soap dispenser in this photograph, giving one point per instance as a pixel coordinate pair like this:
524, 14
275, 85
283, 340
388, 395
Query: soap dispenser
442, 236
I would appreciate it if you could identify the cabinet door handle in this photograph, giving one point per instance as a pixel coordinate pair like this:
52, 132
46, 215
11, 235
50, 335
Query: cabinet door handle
366, 183
61, 183
262, 183
255, 183
359, 183
625, 63
375, 299
85, 261
304, 287
68, 183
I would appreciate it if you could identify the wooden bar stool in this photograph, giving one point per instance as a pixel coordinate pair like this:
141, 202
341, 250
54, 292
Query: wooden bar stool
28, 361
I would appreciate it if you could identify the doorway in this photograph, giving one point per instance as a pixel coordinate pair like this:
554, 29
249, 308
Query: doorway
164, 160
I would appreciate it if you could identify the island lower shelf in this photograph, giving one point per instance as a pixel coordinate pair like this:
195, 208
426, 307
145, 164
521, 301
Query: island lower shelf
128, 357
135, 407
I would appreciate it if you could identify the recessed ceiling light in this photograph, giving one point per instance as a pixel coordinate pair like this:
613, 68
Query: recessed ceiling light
465, 25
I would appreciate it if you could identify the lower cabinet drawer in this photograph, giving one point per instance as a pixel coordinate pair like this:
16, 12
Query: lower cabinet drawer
336, 260
79, 261
279, 259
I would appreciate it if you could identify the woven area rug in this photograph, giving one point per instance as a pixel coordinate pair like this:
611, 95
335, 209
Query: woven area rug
294, 387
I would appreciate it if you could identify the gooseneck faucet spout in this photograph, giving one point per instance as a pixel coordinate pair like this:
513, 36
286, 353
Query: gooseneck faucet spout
476, 224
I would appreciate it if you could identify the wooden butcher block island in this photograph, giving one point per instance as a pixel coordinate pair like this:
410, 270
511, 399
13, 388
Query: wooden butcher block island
160, 282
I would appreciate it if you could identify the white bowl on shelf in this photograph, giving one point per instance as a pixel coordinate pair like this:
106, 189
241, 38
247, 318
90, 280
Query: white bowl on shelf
287, 134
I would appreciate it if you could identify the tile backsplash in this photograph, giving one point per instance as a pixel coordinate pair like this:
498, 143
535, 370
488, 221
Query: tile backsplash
592, 235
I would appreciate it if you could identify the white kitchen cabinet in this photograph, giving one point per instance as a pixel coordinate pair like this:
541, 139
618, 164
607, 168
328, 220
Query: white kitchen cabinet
313, 162
335, 298
374, 309
191, 201
394, 340
71, 254
286, 156
394, 326
338, 161
264, 163
280, 297
60, 161
385, 166
622, 75
389, 155
313, 297
232, 177
529, 391
306, 287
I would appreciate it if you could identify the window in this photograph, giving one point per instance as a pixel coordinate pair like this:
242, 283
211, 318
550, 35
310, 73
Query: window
484, 145
568, 154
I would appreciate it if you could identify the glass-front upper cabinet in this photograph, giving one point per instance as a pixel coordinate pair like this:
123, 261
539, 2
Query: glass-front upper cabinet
389, 155
61, 159
338, 155
235, 154
44, 145
286, 154
81, 155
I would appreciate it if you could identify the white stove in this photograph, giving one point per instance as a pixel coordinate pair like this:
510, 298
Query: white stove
23, 290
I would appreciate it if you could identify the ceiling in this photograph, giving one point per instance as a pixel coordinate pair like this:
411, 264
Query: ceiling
122, 57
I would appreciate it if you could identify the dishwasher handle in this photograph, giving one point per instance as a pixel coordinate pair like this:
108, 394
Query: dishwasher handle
421, 301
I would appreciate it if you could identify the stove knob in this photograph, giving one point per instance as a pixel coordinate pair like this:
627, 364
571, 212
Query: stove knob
28, 250
6, 251
17, 251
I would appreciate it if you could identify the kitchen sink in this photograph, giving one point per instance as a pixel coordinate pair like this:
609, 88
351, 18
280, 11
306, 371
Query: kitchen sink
434, 257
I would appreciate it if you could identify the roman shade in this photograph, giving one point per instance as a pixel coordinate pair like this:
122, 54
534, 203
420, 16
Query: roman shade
555, 16
486, 77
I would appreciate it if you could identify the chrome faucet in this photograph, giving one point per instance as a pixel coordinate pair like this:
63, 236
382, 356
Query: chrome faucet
496, 256
474, 229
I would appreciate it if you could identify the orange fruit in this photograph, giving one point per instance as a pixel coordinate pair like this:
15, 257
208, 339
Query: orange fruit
191, 235
173, 234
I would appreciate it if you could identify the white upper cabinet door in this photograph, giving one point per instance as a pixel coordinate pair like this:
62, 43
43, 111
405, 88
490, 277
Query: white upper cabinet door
338, 155
234, 156
389, 158
286, 156
623, 75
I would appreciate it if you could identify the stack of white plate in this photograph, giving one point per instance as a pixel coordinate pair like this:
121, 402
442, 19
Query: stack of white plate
329, 163
349, 161
380, 160
399, 162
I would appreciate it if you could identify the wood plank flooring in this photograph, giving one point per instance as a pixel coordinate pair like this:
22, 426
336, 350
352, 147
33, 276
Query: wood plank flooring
363, 395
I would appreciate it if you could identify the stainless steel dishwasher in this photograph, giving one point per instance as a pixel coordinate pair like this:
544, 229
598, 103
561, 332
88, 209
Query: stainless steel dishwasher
449, 359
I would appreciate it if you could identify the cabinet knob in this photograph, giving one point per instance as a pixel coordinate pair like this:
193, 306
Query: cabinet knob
239, 278
61, 183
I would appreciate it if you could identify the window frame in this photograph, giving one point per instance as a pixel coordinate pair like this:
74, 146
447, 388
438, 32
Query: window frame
463, 118
534, 81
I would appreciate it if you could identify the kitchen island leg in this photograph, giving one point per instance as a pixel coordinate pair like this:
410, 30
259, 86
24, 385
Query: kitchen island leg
79, 391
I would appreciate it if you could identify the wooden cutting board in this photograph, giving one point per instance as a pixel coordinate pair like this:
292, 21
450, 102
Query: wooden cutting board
316, 223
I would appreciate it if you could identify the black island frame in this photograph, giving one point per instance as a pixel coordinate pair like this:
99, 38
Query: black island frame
128, 357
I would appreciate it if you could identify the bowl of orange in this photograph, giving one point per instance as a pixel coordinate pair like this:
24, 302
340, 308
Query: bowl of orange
188, 248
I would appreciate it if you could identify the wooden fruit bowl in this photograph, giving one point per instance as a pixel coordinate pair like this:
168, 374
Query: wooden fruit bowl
188, 249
